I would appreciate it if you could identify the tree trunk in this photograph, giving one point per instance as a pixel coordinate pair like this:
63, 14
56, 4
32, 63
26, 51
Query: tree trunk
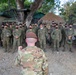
36, 5
20, 5
20, 15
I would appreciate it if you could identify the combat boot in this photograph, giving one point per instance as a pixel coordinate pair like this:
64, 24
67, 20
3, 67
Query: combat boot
70, 50
63, 48
5, 50
57, 49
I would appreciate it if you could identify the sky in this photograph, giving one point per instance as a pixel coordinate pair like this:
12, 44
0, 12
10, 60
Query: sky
64, 1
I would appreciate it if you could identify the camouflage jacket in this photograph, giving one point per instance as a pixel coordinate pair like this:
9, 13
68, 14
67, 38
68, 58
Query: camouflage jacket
56, 35
5, 33
42, 33
17, 33
32, 60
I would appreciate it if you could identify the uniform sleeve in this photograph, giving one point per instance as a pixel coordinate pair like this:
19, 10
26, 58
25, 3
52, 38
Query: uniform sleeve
38, 34
52, 34
45, 65
13, 33
2, 35
60, 35
18, 58
19, 33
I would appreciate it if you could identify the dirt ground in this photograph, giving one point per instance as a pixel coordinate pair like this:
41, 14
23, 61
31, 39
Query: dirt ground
60, 63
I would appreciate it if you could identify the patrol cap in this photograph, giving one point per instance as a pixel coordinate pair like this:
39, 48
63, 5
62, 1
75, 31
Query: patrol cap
31, 35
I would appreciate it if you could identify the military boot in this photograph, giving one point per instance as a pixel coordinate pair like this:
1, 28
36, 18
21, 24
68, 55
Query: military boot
70, 50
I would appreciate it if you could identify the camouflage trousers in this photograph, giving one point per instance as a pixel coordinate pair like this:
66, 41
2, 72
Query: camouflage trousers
6, 43
56, 44
16, 43
43, 44
69, 44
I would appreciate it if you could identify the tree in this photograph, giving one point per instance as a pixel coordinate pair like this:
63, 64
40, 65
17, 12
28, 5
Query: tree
47, 6
32, 6
69, 12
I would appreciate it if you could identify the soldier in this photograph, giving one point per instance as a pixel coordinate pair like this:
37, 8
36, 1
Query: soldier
21, 31
63, 32
51, 30
11, 37
56, 36
70, 34
5, 36
0, 36
35, 28
42, 37
32, 59
16, 38
25, 27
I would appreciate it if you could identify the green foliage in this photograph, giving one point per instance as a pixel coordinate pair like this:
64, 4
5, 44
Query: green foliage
27, 3
6, 4
3, 6
69, 12
46, 6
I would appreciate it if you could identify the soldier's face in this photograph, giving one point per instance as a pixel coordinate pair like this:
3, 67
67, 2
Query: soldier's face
5, 27
41, 26
10, 26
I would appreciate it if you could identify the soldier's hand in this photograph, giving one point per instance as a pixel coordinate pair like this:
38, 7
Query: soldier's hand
20, 48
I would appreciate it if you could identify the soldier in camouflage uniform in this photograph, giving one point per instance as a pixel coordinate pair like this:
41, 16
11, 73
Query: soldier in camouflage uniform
63, 32
16, 38
56, 36
21, 31
42, 37
35, 28
70, 34
32, 59
11, 37
5, 36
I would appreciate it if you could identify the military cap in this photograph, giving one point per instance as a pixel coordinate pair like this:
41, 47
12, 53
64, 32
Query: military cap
31, 35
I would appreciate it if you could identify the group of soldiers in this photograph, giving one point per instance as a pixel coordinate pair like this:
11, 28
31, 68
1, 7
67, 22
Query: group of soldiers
62, 35
13, 35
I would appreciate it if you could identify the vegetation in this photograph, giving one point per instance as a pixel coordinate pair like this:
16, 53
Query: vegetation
68, 12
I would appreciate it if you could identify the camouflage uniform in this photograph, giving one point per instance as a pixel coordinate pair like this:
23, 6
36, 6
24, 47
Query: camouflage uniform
63, 40
35, 29
42, 38
11, 37
56, 36
23, 34
70, 34
16, 36
21, 31
5, 36
33, 61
